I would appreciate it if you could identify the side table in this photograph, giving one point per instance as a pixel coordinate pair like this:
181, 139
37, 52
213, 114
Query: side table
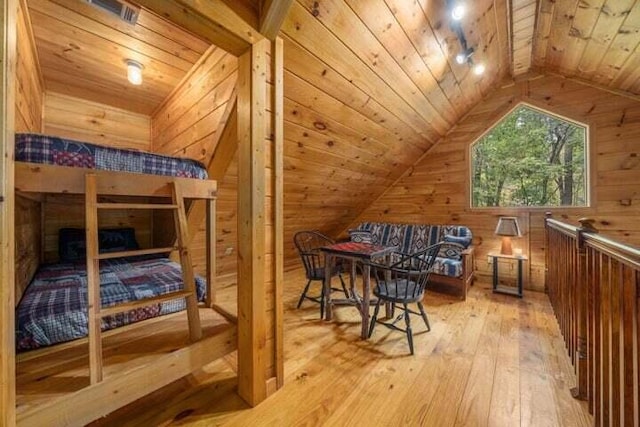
506, 289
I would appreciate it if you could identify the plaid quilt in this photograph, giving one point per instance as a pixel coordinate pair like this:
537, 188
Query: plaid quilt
54, 306
34, 148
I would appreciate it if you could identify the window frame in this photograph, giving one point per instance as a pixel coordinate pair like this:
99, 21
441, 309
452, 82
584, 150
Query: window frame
588, 160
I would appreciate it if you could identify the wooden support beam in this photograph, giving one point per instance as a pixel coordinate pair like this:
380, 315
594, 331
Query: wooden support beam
252, 187
272, 15
278, 204
221, 23
8, 16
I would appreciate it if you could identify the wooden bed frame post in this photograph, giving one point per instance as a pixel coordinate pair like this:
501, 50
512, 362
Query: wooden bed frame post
8, 11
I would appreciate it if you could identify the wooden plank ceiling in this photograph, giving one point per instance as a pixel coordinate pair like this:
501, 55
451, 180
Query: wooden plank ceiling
594, 40
82, 52
370, 87
523, 19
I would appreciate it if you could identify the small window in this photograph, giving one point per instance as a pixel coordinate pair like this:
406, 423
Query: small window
530, 158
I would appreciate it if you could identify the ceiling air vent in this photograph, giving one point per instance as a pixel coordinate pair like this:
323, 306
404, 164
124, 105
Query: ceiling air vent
124, 10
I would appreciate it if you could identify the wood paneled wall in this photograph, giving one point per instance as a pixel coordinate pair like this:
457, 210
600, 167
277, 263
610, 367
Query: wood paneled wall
29, 83
226, 232
190, 118
369, 87
28, 242
76, 118
188, 124
28, 118
435, 189
79, 119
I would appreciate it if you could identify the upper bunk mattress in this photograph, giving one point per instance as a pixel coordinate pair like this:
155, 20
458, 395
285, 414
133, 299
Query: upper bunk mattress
34, 148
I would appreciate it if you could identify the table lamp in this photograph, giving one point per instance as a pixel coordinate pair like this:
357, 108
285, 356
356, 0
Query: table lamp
507, 228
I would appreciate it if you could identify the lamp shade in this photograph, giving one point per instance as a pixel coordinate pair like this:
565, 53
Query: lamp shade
508, 226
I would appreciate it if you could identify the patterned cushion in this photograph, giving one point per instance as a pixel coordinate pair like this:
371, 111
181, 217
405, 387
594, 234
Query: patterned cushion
451, 250
412, 238
447, 267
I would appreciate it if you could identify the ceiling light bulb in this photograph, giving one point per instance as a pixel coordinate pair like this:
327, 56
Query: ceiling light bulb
134, 72
478, 69
458, 11
461, 58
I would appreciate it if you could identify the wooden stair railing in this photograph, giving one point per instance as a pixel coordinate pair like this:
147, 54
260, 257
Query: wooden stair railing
594, 287
95, 311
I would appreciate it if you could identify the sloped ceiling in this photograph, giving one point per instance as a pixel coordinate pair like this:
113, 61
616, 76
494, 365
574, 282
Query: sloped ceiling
370, 87
593, 40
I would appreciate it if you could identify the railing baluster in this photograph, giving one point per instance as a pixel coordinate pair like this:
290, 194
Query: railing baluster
593, 285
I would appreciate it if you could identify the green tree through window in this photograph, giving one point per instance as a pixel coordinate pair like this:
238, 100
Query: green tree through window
530, 158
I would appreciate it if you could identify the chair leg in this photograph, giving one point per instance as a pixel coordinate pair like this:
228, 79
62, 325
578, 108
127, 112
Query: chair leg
304, 294
372, 323
322, 301
408, 322
424, 316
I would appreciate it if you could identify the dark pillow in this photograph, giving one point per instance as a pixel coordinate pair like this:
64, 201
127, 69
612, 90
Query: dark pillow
117, 239
464, 241
360, 236
72, 242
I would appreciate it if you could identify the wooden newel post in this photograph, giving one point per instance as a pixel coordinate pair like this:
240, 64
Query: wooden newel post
582, 295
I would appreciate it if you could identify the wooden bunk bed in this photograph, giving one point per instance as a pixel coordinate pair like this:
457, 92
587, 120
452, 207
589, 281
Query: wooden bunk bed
122, 370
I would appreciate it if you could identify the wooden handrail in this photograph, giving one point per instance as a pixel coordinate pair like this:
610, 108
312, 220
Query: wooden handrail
593, 284
623, 253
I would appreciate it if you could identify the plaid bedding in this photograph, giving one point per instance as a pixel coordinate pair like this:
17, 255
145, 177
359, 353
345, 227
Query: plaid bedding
34, 148
54, 306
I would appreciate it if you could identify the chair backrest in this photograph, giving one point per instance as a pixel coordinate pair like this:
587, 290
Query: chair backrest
308, 244
407, 278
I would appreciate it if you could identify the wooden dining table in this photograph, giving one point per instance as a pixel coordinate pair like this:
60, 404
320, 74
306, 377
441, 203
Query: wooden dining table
356, 252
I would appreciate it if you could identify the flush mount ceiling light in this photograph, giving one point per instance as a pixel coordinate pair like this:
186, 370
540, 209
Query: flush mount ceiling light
134, 72
457, 11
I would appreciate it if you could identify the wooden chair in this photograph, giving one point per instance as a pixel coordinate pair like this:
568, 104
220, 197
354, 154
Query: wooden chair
401, 284
308, 244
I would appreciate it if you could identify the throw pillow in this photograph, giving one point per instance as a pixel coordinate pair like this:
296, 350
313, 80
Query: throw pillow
464, 241
451, 251
359, 236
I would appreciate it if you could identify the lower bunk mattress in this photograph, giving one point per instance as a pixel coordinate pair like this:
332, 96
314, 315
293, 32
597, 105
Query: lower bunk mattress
35, 148
53, 308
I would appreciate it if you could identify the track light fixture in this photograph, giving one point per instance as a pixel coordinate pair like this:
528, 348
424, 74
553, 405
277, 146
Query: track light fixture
464, 56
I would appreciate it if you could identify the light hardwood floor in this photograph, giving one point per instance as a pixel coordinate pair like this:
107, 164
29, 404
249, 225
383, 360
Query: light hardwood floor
493, 360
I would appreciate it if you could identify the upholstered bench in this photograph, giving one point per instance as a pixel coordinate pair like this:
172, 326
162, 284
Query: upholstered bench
453, 269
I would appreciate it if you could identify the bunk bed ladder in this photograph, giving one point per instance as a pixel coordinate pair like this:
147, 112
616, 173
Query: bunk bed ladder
95, 310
